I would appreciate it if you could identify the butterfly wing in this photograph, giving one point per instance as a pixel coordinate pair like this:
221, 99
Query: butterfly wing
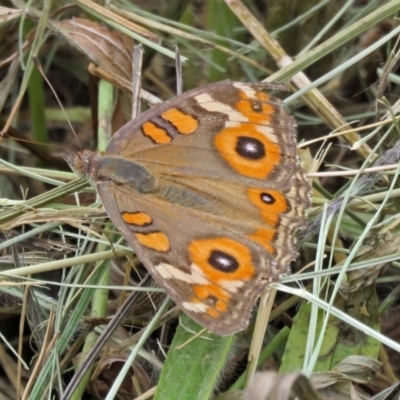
212, 272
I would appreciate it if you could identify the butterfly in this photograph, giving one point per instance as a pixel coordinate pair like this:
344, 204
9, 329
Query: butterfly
208, 191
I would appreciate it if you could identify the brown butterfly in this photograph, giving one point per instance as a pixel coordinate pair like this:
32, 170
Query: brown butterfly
208, 191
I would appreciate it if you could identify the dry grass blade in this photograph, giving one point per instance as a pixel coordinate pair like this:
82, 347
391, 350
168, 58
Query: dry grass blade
270, 386
9, 14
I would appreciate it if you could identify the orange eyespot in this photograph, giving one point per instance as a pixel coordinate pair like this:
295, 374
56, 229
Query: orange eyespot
257, 111
214, 296
248, 151
271, 203
222, 259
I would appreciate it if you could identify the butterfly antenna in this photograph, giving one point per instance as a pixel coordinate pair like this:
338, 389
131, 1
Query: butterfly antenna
40, 69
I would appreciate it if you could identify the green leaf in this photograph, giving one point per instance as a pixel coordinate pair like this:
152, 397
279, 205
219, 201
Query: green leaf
194, 363
340, 340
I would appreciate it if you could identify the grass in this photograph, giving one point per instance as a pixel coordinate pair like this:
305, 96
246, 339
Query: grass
83, 293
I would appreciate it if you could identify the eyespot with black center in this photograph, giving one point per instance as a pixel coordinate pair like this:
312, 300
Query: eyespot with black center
223, 261
267, 198
250, 148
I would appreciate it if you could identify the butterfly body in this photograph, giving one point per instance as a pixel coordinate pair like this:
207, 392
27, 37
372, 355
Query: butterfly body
207, 189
